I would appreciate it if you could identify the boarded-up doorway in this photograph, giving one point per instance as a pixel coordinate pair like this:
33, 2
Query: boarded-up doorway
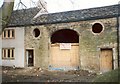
67, 56
64, 58
106, 60
30, 58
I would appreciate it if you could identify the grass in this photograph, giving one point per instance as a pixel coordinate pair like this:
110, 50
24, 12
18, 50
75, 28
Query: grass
112, 76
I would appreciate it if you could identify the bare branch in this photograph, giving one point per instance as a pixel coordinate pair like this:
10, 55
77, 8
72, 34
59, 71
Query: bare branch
21, 4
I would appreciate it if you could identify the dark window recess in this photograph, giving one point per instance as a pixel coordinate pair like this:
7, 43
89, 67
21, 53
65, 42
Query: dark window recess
97, 28
13, 33
8, 33
4, 33
4, 53
8, 52
12, 53
36, 32
65, 36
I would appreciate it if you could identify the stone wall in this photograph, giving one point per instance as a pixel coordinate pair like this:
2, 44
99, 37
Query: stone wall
89, 43
39, 44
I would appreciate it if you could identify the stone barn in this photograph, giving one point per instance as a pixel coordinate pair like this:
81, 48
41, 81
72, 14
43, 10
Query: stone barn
82, 39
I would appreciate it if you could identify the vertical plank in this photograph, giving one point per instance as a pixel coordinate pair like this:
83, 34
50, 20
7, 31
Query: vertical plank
6, 33
11, 53
3, 34
10, 33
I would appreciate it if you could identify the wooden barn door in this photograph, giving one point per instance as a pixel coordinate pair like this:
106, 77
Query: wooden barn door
64, 58
106, 60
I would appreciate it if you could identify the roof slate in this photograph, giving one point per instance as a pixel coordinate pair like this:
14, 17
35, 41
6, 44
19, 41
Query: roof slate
25, 17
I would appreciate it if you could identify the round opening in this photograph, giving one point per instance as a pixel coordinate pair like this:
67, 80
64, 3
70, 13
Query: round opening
97, 28
36, 32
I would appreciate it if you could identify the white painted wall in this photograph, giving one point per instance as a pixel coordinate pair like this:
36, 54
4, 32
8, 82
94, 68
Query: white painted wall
18, 44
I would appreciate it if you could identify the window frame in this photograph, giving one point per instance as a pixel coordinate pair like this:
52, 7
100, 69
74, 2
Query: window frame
103, 27
8, 34
33, 33
5, 52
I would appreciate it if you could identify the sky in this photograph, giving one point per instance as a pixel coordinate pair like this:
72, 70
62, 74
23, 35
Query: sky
66, 5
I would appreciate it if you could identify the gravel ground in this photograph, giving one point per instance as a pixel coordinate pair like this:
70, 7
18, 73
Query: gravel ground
12, 74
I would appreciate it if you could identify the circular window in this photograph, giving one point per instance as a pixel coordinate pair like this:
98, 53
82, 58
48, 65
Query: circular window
97, 28
36, 32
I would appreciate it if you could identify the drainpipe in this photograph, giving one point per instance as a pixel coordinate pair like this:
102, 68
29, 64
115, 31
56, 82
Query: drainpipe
118, 30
